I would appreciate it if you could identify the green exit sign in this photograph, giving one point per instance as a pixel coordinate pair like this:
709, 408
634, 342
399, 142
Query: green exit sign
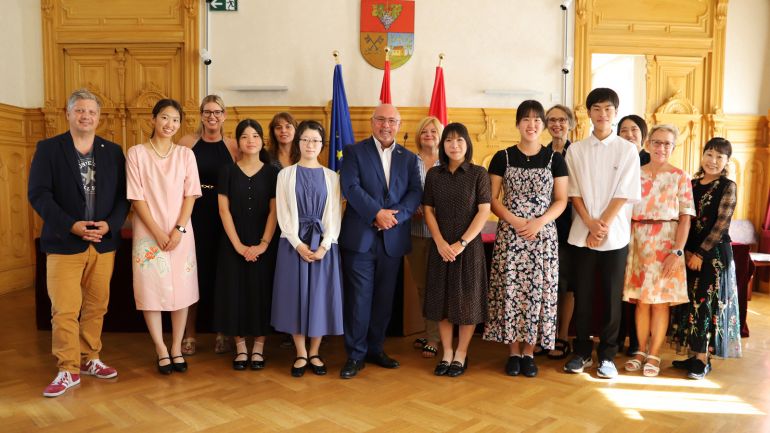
223, 5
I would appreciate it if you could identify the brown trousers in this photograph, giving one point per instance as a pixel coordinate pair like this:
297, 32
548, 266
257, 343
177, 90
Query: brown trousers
79, 288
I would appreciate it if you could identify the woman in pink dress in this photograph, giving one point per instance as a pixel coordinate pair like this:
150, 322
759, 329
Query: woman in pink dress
163, 184
655, 272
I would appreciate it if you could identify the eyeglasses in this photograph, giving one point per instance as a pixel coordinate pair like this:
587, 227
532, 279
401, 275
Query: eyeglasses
208, 113
310, 140
382, 120
661, 143
560, 120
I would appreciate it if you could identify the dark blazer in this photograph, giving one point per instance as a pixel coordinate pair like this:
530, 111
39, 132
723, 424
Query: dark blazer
56, 193
362, 180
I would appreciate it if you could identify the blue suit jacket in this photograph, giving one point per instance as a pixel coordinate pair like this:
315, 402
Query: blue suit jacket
362, 180
56, 193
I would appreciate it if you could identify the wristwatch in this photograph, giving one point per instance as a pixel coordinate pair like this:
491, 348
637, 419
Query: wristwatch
463, 243
678, 253
181, 229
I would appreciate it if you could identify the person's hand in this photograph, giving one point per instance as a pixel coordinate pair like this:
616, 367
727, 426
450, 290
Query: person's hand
251, 253
457, 248
593, 241
598, 227
173, 240
695, 262
670, 264
516, 222
418, 214
162, 239
81, 229
386, 219
530, 229
304, 253
446, 251
101, 227
319, 253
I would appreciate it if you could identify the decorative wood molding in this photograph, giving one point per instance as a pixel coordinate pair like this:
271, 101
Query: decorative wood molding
20, 129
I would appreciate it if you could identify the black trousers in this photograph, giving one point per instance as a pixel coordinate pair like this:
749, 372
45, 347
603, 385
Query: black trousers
610, 268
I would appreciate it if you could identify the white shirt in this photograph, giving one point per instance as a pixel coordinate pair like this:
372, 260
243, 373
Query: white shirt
386, 156
600, 170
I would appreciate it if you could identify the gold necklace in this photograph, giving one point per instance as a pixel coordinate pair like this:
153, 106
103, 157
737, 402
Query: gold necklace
155, 149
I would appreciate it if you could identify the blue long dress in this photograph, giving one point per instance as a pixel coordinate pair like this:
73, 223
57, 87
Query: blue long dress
307, 297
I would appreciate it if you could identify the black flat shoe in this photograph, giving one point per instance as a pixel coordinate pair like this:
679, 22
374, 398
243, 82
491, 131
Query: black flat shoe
351, 368
257, 365
179, 367
299, 371
240, 364
528, 366
383, 360
165, 369
318, 370
457, 369
683, 364
442, 368
513, 366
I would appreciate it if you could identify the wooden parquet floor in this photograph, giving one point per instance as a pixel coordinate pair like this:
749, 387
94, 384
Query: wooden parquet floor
735, 397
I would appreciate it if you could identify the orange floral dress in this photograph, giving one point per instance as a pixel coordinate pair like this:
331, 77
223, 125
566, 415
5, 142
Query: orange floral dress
664, 199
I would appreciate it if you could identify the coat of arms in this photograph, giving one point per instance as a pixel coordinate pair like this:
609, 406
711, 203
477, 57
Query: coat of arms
387, 23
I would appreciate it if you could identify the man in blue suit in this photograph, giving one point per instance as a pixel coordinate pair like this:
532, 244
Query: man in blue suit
77, 184
381, 182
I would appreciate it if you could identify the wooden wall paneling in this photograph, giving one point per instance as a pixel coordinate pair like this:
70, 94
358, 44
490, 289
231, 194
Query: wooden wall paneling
20, 129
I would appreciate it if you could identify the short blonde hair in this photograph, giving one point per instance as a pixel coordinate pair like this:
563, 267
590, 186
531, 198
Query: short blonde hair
425, 122
668, 127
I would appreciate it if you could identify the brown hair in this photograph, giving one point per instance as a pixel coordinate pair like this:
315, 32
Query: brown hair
273, 148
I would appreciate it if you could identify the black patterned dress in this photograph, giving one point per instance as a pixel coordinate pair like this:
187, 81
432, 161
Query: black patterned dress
523, 284
710, 321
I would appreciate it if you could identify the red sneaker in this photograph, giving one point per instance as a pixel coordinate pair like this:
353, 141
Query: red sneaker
99, 369
61, 383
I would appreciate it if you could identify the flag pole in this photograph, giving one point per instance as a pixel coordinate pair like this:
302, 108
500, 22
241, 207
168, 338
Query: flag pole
440, 58
336, 55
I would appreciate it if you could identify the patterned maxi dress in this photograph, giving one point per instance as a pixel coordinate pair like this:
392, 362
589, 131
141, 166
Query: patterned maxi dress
524, 279
710, 320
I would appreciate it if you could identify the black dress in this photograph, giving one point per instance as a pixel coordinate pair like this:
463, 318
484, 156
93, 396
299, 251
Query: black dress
456, 291
244, 289
210, 158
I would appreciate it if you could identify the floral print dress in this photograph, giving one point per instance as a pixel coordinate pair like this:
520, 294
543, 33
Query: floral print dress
710, 320
655, 219
524, 279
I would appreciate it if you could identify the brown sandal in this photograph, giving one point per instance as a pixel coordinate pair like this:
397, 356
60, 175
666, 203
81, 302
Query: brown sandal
188, 346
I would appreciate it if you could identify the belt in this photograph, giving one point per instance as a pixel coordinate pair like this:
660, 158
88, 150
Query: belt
654, 221
207, 186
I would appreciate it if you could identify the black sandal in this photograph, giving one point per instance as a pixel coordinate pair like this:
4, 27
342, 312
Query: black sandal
429, 351
419, 343
257, 364
240, 365
540, 351
563, 346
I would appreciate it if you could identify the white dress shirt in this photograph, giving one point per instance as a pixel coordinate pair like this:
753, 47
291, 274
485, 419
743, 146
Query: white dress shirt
599, 171
386, 156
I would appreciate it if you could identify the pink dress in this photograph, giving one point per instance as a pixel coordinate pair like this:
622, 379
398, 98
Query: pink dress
664, 198
163, 280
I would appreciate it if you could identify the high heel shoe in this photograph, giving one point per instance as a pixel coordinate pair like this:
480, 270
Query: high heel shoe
165, 369
457, 369
179, 367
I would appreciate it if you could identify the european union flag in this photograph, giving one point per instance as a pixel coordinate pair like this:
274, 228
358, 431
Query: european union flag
341, 130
